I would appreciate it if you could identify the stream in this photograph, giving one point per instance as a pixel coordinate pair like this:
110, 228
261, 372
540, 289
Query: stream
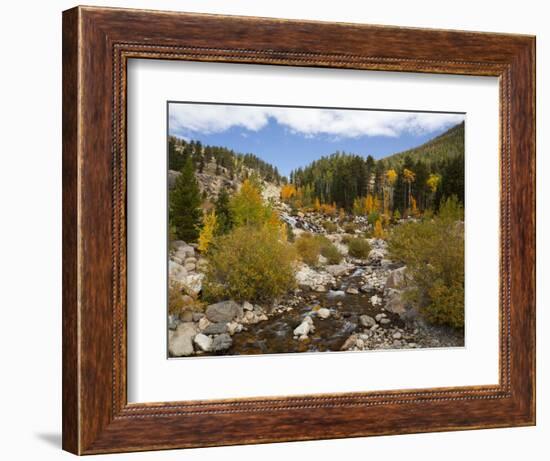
275, 335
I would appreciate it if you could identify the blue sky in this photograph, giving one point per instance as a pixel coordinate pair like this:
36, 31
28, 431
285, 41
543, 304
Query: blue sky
289, 137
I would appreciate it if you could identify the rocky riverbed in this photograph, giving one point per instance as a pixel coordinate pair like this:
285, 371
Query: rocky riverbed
352, 306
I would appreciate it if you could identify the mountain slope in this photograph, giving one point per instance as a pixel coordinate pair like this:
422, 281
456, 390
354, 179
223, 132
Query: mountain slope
445, 146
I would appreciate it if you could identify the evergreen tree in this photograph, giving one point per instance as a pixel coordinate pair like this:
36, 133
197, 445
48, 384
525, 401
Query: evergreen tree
185, 201
223, 213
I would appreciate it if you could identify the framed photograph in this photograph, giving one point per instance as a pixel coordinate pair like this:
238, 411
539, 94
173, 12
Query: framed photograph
284, 230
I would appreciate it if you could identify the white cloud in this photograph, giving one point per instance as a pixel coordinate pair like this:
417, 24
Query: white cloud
208, 119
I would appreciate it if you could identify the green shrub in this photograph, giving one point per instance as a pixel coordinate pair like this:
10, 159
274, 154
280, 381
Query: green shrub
358, 248
350, 227
346, 239
331, 253
308, 248
433, 251
249, 263
373, 217
329, 226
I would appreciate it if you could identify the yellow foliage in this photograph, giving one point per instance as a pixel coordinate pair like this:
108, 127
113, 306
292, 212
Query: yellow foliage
433, 182
378, 230
369, 204
376, 204
391, 177
329, 209
287, 192
207, 232
408, 175
247, 206
414, 210
317, 205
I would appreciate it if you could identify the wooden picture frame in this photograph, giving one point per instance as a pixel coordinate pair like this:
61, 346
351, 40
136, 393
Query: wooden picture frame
97, 43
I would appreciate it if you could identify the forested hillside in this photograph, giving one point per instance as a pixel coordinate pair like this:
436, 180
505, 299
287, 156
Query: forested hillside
445, 146
226, 160
408, 182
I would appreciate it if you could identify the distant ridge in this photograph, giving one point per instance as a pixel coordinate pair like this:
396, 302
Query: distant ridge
445, 146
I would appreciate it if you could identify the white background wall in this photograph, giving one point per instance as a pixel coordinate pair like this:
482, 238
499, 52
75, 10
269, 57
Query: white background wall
30, 227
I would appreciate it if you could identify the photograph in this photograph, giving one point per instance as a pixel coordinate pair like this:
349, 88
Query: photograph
313, 229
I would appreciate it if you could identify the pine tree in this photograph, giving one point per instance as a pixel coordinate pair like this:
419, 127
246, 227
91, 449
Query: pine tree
223, 213
185, 200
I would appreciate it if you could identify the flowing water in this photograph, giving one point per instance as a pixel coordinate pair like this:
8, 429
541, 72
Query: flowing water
275, 335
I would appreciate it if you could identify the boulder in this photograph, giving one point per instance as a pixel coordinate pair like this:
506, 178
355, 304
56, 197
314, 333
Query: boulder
215, 328
367, 287
173, 322
349, 343
234, 327
305, 327
375, 255
203, 342
337, 269
176, 271
224, 311
185, 251
375, 300
221, 342
352, 291
203, 323
180, 343
396, 278
323, 313
192, 284
248, 306
367, 321
396, 304
380, 316
190, 267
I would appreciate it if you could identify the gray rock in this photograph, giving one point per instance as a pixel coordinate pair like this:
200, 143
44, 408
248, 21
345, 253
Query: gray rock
215, 328
224, 311
185, 251
173, 322
375, 255
367, 287
248, 306
221, 342
397, 335
203, 342
367, 321
396, 278
197, 316
234, 327
180, 343
352, 291
385, 321
380, 316
396, 303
